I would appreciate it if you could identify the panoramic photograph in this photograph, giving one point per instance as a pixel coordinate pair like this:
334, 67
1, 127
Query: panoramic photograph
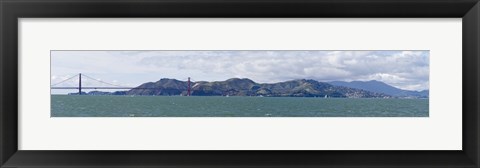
239, 83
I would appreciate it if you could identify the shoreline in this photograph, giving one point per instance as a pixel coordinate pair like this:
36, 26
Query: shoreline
239, 96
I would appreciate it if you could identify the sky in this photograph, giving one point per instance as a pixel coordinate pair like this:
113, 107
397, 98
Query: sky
407, 70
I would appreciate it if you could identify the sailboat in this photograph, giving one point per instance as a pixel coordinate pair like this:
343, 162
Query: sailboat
326, 96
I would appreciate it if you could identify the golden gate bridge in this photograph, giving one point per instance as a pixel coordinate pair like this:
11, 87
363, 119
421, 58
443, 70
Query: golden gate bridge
109, 85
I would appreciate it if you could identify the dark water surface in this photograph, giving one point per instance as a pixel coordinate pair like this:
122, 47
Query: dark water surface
206, 106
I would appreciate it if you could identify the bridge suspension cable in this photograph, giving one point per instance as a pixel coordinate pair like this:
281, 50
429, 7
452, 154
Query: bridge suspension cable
102, 81
111, 85
64, 80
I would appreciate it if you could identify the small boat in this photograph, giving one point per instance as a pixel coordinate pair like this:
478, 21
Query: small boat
326, 96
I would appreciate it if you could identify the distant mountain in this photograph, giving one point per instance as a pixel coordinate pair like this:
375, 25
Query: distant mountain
247, 87
380, 87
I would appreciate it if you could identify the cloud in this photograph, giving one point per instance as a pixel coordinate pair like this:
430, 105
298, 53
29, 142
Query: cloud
403, 69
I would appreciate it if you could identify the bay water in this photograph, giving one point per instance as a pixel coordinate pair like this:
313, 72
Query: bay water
216, 106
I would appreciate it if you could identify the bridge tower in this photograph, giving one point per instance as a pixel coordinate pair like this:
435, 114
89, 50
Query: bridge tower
188, 90
80, 84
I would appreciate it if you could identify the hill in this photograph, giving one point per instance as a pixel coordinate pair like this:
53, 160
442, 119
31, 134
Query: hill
247, 87
380, 87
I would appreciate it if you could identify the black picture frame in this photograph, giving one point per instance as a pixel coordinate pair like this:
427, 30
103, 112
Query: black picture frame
11, 10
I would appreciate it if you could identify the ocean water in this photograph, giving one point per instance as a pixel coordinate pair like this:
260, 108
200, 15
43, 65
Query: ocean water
211, 106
